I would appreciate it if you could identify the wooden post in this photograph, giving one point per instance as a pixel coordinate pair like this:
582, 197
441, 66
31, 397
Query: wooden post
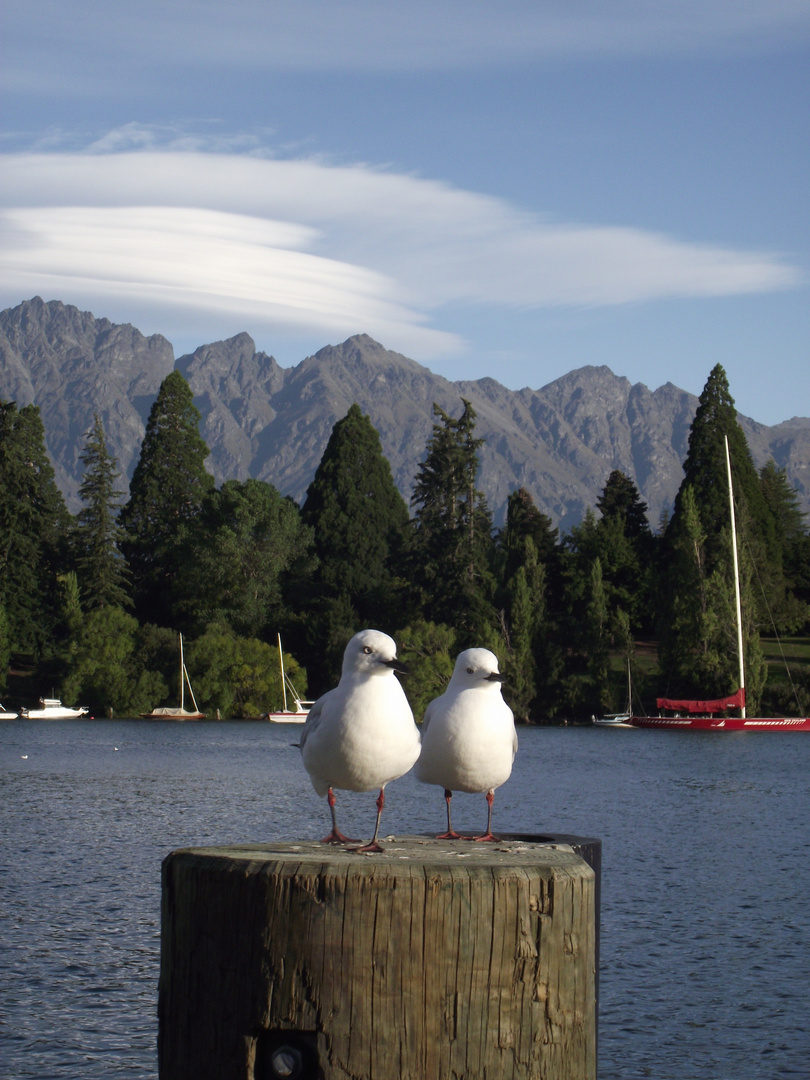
435, 959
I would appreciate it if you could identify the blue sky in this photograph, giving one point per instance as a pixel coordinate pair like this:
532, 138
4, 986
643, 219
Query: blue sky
510, 189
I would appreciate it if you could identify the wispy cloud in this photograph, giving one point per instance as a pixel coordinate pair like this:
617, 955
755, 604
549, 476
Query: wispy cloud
334, 249
86, 39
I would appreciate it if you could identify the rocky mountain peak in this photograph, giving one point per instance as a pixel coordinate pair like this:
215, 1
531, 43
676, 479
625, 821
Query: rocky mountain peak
560, 441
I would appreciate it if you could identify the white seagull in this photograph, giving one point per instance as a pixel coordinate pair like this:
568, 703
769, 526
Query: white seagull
362, 734
468, 735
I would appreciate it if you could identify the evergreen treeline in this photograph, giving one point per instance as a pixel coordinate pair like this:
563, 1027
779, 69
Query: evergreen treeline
91, 604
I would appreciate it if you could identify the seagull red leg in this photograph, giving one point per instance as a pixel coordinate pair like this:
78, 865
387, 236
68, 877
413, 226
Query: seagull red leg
451, 834
488, 834
372, 845
335, 836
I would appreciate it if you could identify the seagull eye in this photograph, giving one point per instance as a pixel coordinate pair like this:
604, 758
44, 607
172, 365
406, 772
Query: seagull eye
470, 671
367, 650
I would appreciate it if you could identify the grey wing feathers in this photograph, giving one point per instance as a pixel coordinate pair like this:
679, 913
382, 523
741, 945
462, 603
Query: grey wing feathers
312, 721
426, 717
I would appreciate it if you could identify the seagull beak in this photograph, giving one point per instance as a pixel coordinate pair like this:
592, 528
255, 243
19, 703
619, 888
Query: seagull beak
397, 665
495, 676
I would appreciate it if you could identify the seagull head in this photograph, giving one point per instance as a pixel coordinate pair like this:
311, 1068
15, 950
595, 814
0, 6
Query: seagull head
476, 668
372, 653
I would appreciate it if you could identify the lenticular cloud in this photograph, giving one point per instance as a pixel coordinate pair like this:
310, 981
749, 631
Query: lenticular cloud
336, 249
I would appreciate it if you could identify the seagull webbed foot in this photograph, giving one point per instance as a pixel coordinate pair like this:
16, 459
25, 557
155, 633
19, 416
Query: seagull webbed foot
337, 837
371, 847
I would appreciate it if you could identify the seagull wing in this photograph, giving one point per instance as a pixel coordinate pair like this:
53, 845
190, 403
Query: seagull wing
313, 720
427, 717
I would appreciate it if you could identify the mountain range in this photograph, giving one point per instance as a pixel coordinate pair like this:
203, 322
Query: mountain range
561, 441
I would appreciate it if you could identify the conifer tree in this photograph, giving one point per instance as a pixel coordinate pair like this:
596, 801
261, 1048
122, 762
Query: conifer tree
100, 566
698, 635
166, 493
33, 525
452, 547
620, 498
358, 520
705, 469
358, 517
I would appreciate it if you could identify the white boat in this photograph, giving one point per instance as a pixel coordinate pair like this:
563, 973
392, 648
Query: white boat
53, 709
621, 719
298, 713
174, 712
6, 715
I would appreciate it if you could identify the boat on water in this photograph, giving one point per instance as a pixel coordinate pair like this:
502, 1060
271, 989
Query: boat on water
298, 713
53, 709
708, 715
6, 715
175, 712
620, 719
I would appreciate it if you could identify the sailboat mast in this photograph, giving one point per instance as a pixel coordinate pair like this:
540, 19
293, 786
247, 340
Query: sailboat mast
736, 576
182, 673
281, 666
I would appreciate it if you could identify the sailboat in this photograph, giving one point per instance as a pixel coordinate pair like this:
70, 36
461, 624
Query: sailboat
621, 719
173, 712
296, 715
706, 715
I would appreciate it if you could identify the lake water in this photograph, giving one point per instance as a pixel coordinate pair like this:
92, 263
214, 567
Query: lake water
705, 879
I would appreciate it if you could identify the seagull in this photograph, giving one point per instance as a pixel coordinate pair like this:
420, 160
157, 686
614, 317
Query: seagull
361, 735
468, 735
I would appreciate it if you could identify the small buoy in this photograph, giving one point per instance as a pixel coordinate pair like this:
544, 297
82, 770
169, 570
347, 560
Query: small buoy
25, 757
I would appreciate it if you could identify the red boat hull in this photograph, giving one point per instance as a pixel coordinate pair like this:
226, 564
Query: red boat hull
723, 723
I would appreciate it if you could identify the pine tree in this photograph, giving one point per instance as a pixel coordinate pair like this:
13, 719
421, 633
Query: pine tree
705, 469
166, 493
358, 518
100, 566
452, 547
598, 636
698, 627
787, 592
620, 498
33, 525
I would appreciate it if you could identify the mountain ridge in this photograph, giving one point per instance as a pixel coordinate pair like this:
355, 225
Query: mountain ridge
560, 441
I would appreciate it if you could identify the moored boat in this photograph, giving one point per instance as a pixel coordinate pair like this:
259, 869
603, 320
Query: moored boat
296, 715
621, 719
706, 715
175, 712
6, 715
53, 709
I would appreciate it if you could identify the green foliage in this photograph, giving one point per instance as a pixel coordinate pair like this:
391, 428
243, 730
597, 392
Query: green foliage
239, 548
620, 498
788, 597
698, 638
451, 554
598, 622
358, 518
429, 650
238, 676
100, 566
167, 489
104, 669
33, 526
5, 647
706, 474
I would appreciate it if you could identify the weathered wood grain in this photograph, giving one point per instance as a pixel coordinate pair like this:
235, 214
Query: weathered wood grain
433, 960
